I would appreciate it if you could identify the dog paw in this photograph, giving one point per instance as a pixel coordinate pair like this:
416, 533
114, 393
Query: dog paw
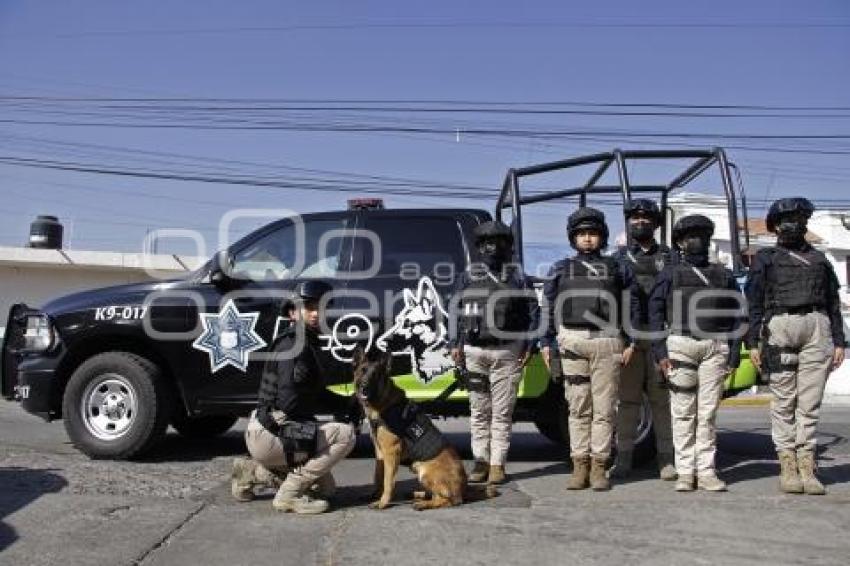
420, 506
379, 504
418, 495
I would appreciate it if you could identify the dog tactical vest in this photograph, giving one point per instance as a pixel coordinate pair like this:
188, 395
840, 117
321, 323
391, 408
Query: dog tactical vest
594, 280
689, 280
422, 439
796, 280
509, 313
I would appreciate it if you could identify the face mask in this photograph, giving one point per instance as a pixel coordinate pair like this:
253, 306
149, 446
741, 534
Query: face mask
641, 231
695, 244
494, 253
791, 230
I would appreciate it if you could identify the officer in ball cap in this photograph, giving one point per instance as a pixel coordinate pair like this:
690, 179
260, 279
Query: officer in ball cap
283, 436
796, 337
698, 305
583, 296
647, 258
495, 311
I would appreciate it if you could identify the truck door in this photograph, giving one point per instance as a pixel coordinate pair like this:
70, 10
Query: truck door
240, 320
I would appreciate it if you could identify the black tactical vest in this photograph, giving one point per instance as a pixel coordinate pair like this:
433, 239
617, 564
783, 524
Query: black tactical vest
646, 267
687, 282
796, 280
595, 280
510, 313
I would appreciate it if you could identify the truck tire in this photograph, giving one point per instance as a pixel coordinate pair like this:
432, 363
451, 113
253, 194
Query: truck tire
116, 405
201, 428
551, 415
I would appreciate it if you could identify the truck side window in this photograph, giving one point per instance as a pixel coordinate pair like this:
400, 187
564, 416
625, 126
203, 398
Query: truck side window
273, 256
413, 247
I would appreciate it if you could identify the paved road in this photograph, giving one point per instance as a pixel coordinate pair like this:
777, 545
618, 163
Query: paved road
58, 507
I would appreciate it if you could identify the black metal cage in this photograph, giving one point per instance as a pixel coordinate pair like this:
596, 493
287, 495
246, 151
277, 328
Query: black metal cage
510, 196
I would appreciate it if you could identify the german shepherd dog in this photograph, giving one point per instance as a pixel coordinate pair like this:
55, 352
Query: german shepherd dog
442, 476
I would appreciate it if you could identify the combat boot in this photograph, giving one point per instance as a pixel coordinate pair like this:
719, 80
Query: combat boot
242, 479
710, 482
479, 471
324, 487
598, 479
497, 475
666, 469
685, 482
811, 484
622, 465
789, 477
287, 499
580, 478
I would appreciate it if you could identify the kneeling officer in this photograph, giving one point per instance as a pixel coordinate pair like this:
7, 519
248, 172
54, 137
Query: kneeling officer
283, 435
496, 312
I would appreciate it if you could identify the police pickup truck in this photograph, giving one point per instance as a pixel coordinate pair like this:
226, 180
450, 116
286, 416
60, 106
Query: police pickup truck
120, 364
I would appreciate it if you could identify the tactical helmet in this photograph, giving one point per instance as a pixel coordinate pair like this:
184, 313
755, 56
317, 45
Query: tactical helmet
585, 218
313, 290
645, 205
692, 223
492, 229
786, 205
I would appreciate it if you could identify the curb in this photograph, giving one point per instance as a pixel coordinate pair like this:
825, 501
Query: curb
747, 401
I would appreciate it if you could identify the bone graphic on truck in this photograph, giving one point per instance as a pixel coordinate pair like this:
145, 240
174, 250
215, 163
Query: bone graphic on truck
420, 332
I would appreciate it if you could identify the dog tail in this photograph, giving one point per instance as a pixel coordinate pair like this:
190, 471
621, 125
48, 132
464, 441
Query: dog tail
479, 492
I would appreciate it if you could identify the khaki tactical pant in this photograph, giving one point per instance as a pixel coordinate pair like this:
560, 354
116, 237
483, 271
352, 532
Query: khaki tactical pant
798, 386
591, 362
695, 394
335, 442
491, 411
641, 374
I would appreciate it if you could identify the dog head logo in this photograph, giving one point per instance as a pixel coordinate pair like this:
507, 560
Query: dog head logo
420, 331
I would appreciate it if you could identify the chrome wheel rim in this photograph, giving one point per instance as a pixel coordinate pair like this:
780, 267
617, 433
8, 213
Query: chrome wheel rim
109, 406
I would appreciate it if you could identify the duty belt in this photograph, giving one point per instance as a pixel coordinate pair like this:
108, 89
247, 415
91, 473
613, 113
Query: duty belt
799, 310
679, 364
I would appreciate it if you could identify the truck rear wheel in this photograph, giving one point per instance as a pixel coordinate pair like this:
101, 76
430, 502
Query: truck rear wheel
116, 405
199, 428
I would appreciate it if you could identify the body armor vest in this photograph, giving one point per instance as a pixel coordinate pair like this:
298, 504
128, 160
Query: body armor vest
509, 313
646, 267
796, 280
598, 283
422, 439
689, 280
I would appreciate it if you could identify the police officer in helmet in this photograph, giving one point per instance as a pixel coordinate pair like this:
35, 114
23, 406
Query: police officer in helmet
583, 295
283, 435
495, 312
796, 337
647, 258
695, 302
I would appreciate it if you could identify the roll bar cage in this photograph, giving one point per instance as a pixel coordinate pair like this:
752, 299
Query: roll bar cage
510, 196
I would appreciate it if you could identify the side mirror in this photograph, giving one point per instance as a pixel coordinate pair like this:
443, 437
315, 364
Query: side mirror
221, 267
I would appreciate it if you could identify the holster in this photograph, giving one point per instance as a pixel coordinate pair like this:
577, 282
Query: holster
471, 380
776, 359
577, 370
299, 438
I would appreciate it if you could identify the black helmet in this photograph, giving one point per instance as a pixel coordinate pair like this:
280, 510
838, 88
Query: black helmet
492, 229
786, 205
313, 290
692, 223
645, 205
586, 217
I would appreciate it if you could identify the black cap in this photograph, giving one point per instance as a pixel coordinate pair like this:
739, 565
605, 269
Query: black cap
492, 229
692, 223
645, 205
785, 206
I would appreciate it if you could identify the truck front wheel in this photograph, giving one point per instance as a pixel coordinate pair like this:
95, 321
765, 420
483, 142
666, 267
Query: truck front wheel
116, 405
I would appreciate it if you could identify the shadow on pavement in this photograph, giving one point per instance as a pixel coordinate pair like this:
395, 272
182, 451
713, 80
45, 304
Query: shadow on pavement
22, 486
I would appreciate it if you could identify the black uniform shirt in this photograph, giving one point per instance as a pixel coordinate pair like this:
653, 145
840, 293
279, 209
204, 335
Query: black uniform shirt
626, 278
755, 289
631, 255
294, 384
514, 279
658, 307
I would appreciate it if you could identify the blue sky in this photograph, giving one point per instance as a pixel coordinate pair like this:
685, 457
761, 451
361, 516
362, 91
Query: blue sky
777, 53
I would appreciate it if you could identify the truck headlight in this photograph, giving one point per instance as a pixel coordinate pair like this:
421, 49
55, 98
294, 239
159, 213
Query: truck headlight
38, 333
